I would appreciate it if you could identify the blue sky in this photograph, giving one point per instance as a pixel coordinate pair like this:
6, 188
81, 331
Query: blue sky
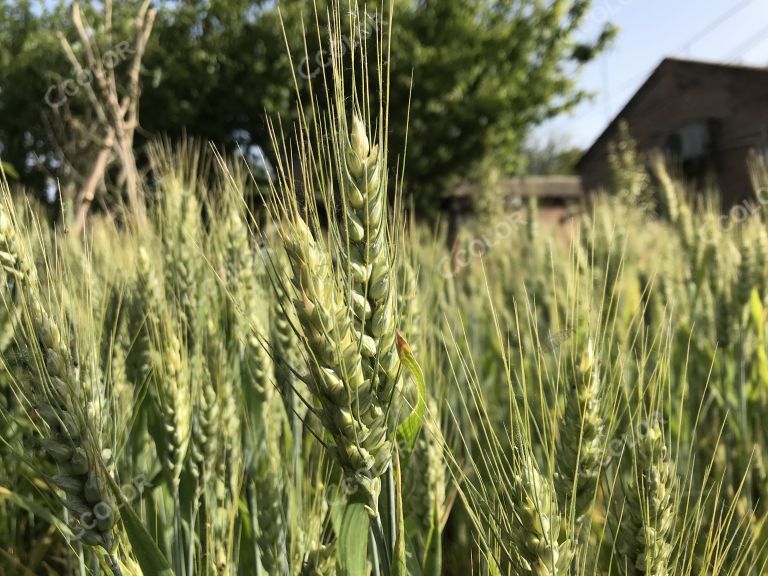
649, 30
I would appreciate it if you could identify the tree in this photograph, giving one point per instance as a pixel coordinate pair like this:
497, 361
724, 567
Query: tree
114, 104
477, 75
484, 73
552, 158
30, 60
215, 68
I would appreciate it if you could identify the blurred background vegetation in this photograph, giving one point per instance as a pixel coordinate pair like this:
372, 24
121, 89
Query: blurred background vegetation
476, 75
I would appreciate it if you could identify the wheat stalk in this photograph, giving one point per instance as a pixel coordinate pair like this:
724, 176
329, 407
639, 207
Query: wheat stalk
648, 514
580, 444
55, 388
368, 258
535, 529
669, 203
429, 473
272, 503
349, 407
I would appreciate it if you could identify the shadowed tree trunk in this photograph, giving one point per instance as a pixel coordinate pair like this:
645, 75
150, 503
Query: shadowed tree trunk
116, 117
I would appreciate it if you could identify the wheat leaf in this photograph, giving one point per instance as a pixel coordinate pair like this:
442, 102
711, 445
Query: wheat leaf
408, 431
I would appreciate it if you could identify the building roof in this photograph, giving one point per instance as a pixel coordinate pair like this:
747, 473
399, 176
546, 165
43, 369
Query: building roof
530, 186
665, 65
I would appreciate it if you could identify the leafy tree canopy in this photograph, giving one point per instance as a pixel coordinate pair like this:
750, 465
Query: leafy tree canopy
469, 78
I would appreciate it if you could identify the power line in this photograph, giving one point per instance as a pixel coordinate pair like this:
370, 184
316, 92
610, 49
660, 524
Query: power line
748, 44
708, 29
715, 24
702, 33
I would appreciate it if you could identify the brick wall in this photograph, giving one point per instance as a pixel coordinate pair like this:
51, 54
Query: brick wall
731, 100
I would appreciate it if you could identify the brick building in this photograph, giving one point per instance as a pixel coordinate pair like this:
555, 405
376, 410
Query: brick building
705, 117
556, 197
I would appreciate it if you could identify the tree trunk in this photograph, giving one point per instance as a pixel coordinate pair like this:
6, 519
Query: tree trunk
88, 193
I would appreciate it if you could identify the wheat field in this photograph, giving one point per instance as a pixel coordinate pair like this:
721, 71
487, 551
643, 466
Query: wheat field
295, 377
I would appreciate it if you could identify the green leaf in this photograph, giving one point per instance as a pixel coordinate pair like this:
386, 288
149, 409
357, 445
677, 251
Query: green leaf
414, 569
408, 431
493, 567
399, 564
337, 504
34, 508
9, 170
757, 314
352, 549
248, 556
145, 549
759, 370
433, 550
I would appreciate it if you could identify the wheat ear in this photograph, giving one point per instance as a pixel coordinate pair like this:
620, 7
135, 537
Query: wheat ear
349, 407
57, 395
368, 258
648, 514
536, 530
580, 442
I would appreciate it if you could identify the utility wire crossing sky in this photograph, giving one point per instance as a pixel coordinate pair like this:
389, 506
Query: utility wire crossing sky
734, 31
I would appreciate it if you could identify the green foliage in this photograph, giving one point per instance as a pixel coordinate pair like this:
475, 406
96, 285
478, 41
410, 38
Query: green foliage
411, 426
475, 75
226, 393
551, 159
483, 74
